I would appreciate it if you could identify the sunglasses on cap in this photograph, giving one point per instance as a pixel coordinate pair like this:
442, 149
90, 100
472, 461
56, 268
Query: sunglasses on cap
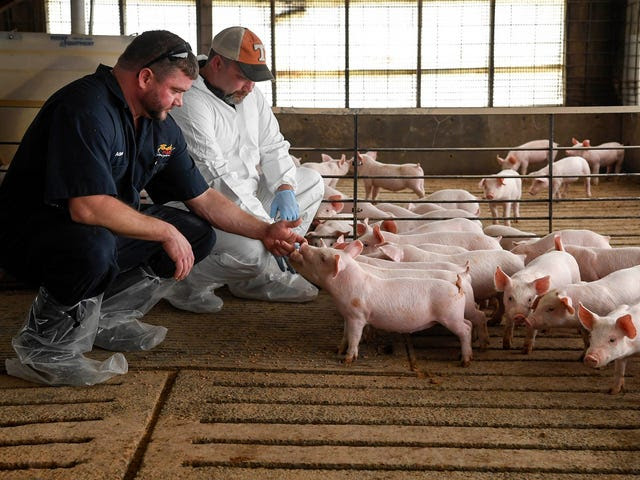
181, 51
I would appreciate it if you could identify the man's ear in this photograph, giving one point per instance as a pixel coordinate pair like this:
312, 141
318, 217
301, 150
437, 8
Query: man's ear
144, 77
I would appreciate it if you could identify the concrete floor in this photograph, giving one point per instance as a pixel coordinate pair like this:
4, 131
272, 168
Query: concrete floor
257, 391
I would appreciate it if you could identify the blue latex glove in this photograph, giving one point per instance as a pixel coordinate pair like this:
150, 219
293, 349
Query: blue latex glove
285, 203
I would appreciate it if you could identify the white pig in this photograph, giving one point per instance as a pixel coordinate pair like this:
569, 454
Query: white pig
452, 198
411, 253
340, 202
467, 240
483, 264
369, 166
610, 157
448, 213
329, 231
451, 225
520, 159
508, 235
418, 226
596, 263
587, 238
471, 311
565, 171
505, 187
553, 269
402, 305
398, 210
330, 166
613, 337
329, 208
384, 263
406, 220
558, 307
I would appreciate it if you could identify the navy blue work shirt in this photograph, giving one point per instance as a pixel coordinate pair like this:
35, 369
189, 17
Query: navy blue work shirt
83, 142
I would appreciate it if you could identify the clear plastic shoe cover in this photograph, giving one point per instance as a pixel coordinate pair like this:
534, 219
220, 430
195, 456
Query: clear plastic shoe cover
51, 344
119, 328
194, 298
275, 287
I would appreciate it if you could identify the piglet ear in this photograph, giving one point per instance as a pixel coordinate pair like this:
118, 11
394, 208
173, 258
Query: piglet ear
625, 323
354, 248
389, 226
557, 240
566, 301
574, 141
338, 266
392, 252
378, 234
501, 280
361, 229
512, 160
499, 159
536, 300
481, 184
542, 284
325, 157
586, 317
373, 154
501, 180
586, 143
338, 206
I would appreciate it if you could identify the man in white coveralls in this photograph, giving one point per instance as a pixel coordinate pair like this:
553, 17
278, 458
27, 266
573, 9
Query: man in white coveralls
235, 141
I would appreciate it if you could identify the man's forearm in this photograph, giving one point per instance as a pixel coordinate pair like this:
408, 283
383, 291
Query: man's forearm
224, 214
111, 213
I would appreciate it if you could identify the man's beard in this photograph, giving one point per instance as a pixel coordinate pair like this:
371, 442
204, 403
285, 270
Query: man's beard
153, 108
235, 98
159, 115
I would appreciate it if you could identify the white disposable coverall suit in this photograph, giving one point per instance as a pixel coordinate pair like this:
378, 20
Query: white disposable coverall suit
241, 153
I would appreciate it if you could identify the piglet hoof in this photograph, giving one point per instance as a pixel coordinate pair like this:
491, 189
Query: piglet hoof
465, 363
616, 389
348, 360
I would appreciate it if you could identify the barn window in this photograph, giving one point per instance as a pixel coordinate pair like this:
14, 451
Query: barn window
425, 53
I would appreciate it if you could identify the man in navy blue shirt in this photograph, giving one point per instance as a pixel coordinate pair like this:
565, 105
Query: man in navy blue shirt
73, 221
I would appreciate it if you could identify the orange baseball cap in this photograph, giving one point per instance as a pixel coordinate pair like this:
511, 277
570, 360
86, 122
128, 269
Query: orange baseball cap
243, 46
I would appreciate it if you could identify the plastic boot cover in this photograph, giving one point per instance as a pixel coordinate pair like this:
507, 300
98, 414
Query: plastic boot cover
275, 287
119, 327
52, 341
194, 298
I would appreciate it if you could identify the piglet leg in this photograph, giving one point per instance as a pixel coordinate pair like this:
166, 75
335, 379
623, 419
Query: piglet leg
618, 376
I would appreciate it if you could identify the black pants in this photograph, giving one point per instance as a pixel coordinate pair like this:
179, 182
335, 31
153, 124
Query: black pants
75, 261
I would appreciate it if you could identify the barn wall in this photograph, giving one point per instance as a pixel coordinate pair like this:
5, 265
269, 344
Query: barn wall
450, 141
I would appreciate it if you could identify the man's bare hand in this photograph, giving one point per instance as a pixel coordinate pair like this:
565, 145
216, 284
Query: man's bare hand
179, 250
280, 238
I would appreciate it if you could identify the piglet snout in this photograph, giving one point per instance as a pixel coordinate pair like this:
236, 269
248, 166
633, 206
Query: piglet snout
519, 319
591, 360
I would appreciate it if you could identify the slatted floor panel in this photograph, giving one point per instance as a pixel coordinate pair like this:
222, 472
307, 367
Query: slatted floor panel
503, 417
75, 433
